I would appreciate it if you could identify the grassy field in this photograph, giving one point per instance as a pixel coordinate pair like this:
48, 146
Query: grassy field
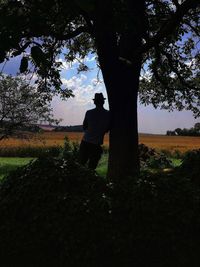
48, 139
9, 164
170, 143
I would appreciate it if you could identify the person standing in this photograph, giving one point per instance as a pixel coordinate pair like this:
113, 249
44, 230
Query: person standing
96, 123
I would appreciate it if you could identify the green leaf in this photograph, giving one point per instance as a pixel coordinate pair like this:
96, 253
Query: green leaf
24, 65
2, 56
86, 5
38, 56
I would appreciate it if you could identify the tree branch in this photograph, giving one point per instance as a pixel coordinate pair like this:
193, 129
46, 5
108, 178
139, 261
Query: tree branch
174, 69
170, 26
176, 3
75, 33
193, 29
88, 20
21, 49
156, 73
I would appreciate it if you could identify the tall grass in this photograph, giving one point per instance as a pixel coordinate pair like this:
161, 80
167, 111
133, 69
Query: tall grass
29, 151
159, 142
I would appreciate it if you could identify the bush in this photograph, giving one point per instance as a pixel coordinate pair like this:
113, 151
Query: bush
69, 149
55, 212
160, 221
29, 151
190, 166
150, 158
159, 161
176, 154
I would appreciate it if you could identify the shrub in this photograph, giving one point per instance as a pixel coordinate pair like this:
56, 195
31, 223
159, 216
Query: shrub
145, 152
159, 161
149, 157
163, 217
29, 151
190, 166
177, 154
69, 149
55, 212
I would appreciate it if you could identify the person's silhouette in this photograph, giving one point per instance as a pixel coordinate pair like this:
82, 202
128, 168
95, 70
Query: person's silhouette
95, 125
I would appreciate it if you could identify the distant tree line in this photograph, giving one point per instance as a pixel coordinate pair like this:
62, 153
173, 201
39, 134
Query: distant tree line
75, 128
39, 128
194, 131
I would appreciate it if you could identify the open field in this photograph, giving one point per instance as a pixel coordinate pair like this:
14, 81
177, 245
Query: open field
171, 143
9, 164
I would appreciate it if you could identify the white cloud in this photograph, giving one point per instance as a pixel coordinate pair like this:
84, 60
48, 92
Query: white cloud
146, 75
74, 82
65, 65
191, 63
83, 89
89, 59
96, 82
73, 110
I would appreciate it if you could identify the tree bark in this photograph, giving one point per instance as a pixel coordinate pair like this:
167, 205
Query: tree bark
122, 97
121, 78
122, 83
123, 149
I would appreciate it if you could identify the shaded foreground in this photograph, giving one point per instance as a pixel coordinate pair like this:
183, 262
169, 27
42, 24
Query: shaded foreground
55, 212
10, 164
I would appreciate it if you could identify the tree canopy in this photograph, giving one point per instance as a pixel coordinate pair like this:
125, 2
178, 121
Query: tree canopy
21, 106
168, 31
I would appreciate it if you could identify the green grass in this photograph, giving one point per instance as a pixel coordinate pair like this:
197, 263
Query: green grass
9, 164
176, 162
102, 166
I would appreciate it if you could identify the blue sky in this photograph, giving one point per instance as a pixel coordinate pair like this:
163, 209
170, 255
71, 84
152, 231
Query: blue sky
85, 85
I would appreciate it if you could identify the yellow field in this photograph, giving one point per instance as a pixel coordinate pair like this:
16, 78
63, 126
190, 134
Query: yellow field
170, 143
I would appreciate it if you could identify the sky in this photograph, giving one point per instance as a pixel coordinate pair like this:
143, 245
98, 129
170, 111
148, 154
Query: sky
85, 85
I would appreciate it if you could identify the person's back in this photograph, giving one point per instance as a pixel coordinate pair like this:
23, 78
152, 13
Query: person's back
95, 125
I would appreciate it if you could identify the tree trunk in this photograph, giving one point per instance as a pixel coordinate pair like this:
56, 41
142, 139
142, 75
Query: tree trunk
123, 150
122, 83
122, 88
121, 78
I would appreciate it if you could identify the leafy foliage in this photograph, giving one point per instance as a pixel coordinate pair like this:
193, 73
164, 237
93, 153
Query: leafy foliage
23, 65
161, 34
9, 164
69, 149
150, 158
21, 105
190, 165
172, 77
63, 210
58, 213
30, 151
